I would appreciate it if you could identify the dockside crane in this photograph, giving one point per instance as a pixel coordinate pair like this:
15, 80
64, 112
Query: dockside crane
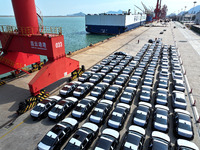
22, 45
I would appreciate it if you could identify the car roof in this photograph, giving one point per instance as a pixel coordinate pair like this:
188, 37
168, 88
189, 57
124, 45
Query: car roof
123, 105
137, 129
160, 135
106, 101
90, 126
182, 111
182, 142
145, 103
71, 121
111, 132
162, 107
72, 99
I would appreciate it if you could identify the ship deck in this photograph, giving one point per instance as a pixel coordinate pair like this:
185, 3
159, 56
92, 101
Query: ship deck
24, 133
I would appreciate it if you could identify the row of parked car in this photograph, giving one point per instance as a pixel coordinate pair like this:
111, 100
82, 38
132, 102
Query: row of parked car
107, 84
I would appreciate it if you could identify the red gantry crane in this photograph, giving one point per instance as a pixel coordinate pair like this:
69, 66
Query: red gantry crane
157, 10
22, 45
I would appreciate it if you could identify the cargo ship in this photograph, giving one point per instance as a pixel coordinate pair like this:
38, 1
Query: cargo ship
113, 23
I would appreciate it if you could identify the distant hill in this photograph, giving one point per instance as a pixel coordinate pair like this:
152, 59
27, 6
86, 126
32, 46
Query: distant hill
80, 14
115, 12
193, 11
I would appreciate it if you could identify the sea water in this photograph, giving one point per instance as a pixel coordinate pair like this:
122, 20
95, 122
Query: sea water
73, 29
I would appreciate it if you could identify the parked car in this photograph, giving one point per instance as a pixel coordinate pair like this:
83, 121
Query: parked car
105, 61
82, 90
121, 79
84, 107
113, 92
124, 62
56, 136
163, 83
108, 140
177, 75
134, 138
118, 116
83, 137
141, 115
133, 63
164, 73
182, 144
114, 62
161, 118
183, 127
99, 90
60, 110
160, 141
96, 68
100, 112
145, 94
107, 69
118, 69
128, 95
96, 77
148, 81
42, 108
110, 77
85, 76
162, 96
128, 70
128, 57
179, 85
68, 88
176, 67
134, 81
139, 72
178, 100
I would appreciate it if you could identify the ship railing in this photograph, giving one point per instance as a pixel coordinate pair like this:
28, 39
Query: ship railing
31, 30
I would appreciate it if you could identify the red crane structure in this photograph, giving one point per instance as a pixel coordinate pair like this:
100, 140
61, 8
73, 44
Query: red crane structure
157, 11
22, 45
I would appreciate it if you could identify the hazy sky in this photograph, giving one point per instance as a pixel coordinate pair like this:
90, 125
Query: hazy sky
64, 7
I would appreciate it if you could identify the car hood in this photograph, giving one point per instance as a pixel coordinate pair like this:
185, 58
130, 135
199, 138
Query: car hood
35, 113
52, 115
42, 146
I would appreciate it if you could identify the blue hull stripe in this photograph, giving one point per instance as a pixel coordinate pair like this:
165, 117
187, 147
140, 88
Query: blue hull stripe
111, 29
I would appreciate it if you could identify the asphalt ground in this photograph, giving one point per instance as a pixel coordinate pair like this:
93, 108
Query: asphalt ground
25, 133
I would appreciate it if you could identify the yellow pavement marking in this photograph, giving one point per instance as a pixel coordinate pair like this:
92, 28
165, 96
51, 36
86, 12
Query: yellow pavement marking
11, 130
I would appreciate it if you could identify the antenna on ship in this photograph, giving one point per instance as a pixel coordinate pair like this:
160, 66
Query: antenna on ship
40, 19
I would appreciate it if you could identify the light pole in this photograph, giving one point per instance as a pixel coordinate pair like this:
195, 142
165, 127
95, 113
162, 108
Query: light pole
192, 11
184, 13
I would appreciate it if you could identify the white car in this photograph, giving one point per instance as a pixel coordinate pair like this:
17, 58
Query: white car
177, 75
179, 100
185, 144
179, 85
118, 116
164, 73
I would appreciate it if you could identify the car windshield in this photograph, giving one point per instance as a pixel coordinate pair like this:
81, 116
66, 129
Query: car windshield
97, 114
79, 109
125, 95
160, 144
108, 77
184, 117
133, 138
161, 96
71, 146
84, 102
184, 126
39, 108
163, 82
186, 148
101, 106
110, 92
140, 116
105, 142
66, 124
49, 140
179, 84
56, 110
133, 81
143, 108
161, 120
180, 100
116, 118
97, 89
144, 93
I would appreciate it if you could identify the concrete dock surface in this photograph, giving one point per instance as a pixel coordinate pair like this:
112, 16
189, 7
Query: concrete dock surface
24, 133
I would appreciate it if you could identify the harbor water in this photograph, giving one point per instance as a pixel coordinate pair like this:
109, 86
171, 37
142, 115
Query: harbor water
73, 30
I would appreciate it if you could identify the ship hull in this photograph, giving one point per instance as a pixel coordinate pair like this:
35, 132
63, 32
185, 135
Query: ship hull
113, 24
103, 29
